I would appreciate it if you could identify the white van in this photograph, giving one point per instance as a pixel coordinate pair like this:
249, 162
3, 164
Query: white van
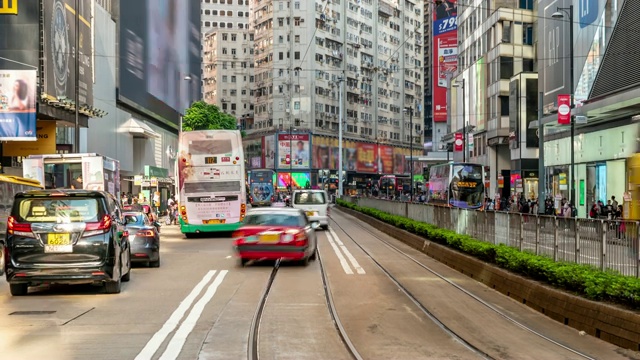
315, 203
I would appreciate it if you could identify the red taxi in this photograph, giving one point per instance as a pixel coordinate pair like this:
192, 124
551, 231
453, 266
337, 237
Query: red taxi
276, 233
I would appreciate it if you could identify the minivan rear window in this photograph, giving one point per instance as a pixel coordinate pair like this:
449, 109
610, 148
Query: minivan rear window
309, 198
57, 210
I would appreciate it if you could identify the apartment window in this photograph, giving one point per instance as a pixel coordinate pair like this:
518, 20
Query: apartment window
234, 37
207, 12
233, 106
281, 5
526, 4
527, 65
223, 13
504, 105
229, 25
240, 2
233, 52
207, 23
506, 67
224, 78
296, 38
233, 92
280, 39
296, 55
296, 5
233, 78
296, 21
214, 12
241, 26
280, 22
296, 105
281, 56
222, 1
506, 31
225, 36
214, 24
527, 34
240, 13
224, 51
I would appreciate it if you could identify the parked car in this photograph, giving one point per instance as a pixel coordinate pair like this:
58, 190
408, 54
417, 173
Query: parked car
68, 237
144, 239
315, 203
276, 233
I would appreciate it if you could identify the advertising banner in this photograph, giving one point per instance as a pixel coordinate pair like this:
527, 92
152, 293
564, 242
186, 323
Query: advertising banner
321, 153
18, 105
445, 53
92, 173
293, 151
159, 46
46, 144
335, 154
350, 155
366, 158
564, 109
386, 159
269, 151
458, 143
398, 161
59, 49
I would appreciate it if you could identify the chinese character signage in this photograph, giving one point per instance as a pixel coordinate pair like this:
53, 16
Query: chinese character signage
18, 105
445, 53
8, 7
293, 151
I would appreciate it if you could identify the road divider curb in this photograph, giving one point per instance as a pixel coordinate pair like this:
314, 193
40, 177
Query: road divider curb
607, 322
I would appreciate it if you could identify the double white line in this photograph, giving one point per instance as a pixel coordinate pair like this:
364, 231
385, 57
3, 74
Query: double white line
177, 342
338, 245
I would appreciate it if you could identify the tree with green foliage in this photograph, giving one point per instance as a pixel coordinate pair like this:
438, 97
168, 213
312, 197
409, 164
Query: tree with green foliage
203, 116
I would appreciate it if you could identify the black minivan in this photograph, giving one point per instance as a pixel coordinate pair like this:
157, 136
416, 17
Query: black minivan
66, 237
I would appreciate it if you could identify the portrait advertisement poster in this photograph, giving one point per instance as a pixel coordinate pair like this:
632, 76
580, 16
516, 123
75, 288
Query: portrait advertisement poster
321, 152
269, 151
386, 159
18, 105
398, 161
445, 53
293, 151
366, 158
93, 173
350, 156
334, 154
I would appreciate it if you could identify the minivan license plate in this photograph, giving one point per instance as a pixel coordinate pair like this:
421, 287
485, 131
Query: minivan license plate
58, 243
311, 213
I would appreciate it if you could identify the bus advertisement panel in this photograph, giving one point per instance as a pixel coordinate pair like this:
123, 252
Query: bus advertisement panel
457, 185
211, 181
262, 192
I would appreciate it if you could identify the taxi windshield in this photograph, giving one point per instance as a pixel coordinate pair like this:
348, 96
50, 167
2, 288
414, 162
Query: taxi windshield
272, 219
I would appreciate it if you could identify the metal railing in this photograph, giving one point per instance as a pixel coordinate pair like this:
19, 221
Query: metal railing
605, 244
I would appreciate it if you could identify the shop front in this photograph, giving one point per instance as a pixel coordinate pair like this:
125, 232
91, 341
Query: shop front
155, 186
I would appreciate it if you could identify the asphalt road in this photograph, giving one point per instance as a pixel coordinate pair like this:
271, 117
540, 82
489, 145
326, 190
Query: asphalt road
200, 304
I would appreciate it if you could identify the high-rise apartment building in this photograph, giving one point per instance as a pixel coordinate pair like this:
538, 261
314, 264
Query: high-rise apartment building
305, 51
227, 66
428, 72
495, 44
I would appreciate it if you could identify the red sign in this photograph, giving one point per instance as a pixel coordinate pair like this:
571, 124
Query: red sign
458, 143
564, 109
226, 159
386, 158
445, 54
366, 158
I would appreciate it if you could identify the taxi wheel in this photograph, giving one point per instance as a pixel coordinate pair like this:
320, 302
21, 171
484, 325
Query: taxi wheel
305, 261
243, 262
113, 287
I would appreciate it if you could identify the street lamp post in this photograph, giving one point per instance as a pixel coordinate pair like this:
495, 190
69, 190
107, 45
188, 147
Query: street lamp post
340, 179
76, 133
464, 120
410, 111
559, 15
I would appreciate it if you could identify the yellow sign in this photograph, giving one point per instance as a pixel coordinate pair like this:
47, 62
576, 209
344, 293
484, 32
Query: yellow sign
46, 143
8, 7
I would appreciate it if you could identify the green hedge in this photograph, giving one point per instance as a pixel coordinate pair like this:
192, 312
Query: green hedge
584, 280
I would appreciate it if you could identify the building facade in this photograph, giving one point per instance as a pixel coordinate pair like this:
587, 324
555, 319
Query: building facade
316, 61
495, 44
228, 72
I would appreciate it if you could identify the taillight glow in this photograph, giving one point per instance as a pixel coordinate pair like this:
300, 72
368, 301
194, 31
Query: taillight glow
20, 229
97, 228
145, 233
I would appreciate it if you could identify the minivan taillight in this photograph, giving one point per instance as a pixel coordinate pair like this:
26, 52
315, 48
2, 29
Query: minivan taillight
97, 228
18, 229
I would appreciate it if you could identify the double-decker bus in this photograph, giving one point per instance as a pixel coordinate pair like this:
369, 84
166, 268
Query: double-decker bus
457, 185
394, 185
211, 181
261, 190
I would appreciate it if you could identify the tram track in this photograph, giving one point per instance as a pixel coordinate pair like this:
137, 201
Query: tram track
253, 351
443, 278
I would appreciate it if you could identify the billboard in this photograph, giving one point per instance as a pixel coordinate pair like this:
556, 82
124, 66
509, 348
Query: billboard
445, 53
18, 105
269, 153
160, 47
321, 153
294, 146
366, 158
385, 163
45, 144
60, 47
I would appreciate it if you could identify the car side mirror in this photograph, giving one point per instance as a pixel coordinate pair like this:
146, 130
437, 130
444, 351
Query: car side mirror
315, 225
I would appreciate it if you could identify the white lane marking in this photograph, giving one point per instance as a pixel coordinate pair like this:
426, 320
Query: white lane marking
158, 338
346, 251
177, 342
343, 261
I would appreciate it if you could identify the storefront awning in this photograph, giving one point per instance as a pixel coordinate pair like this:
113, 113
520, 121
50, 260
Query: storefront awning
139, 129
